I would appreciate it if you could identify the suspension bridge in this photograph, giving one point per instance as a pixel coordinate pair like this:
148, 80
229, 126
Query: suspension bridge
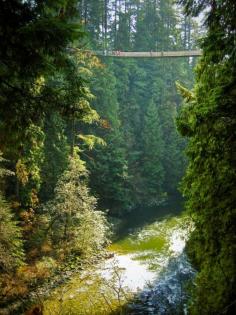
140, 54
148, 54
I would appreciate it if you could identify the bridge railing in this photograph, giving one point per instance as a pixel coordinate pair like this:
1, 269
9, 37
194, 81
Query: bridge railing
149, 54
141, 54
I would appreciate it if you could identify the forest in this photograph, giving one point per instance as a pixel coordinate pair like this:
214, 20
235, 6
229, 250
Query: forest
106, 157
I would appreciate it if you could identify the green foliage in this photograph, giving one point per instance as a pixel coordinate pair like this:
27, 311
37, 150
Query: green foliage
12, 255
75, 225
47, 108
3, 171
108, 164
174, 161
109, 176
35, 38
152, 168
11, 245
44, 95
185, 93
90, 141
55, 152
91, 293
209, 184
28, 166
143, 160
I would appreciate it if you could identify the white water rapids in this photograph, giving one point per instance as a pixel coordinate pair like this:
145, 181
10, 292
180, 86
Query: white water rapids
158, 279
146, 275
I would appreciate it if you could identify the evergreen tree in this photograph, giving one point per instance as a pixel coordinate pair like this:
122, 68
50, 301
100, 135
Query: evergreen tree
208, 119
108, 164
123, 93
55, 151
44, 94
37, 74
12, 254
173, 160
11, 245
75, 225
152, 169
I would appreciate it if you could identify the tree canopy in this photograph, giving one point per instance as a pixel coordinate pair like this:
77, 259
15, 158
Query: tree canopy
208, 119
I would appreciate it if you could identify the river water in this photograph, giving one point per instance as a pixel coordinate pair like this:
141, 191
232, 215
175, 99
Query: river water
147, 273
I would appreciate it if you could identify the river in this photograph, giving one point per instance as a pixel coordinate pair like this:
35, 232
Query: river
147, 273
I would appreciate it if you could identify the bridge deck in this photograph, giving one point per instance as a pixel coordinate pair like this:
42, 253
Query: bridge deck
149, 54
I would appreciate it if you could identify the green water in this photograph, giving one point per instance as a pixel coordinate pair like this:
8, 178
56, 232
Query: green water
149, 237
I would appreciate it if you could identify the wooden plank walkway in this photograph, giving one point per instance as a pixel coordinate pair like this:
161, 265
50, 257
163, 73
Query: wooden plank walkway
149, 54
